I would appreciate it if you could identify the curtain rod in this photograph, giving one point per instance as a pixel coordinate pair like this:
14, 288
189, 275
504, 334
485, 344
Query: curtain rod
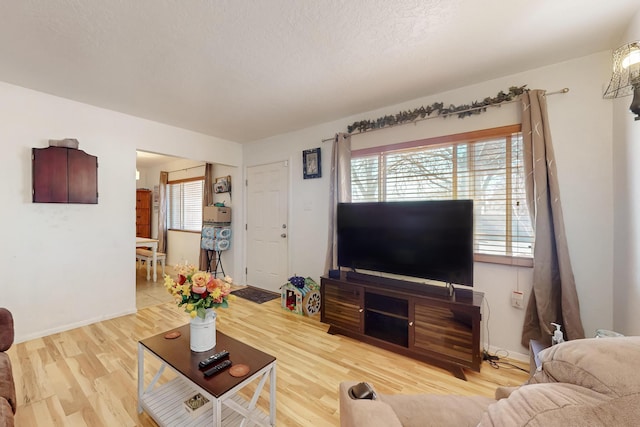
563, 90
186, 169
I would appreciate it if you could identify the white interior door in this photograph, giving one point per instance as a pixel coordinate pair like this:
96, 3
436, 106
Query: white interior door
267, 226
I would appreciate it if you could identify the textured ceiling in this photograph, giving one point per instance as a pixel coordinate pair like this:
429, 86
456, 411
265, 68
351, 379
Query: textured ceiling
247, 69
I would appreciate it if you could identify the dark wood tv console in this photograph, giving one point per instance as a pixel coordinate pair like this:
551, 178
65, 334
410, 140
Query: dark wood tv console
438, 329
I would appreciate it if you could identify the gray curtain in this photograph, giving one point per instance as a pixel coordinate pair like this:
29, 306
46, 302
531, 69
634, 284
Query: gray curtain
207, 200
339, 190
162, 213
553, 297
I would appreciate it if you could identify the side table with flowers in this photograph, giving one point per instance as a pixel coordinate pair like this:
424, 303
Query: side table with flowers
199, 292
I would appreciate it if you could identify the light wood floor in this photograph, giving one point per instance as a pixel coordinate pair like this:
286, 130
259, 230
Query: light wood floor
148, 292
88, 376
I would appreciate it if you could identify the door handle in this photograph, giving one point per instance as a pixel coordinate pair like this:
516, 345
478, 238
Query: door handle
283, 235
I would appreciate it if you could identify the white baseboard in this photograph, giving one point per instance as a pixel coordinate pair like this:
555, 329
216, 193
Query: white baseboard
70, 326
501, 352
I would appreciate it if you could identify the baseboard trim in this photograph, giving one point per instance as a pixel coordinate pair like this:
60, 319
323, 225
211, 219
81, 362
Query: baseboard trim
520, 357
69, 326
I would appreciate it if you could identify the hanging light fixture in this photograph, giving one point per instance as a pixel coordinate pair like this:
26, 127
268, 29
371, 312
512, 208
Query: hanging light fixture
625, 79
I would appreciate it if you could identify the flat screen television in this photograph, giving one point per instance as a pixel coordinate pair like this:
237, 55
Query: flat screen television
420, 239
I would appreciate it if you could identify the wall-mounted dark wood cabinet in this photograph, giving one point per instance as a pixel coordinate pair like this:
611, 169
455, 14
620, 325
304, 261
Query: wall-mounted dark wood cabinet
64, 175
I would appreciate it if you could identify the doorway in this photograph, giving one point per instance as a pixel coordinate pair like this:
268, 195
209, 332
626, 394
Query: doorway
267, 225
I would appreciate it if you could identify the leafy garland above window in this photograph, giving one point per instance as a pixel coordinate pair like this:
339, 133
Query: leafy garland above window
437, 108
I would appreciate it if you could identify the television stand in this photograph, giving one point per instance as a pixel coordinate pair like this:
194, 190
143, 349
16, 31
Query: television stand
425, 288
405, 318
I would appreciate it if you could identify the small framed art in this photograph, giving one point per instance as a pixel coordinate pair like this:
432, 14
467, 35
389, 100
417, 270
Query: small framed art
222, 184
311, 163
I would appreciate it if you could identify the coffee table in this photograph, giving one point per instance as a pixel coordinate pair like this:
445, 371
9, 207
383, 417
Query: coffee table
165, 403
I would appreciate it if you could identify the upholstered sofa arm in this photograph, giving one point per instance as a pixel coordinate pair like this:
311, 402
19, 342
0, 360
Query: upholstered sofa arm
411, 410
607, 365
586, 382
7, 386
561, 405
364, 412
6, 329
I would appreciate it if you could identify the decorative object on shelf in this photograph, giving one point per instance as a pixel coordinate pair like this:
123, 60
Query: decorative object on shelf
222, 184
301, 296
625, 79
437, 108
311, 163
199, 292
66, 143
197, 405
219, 215
203, 331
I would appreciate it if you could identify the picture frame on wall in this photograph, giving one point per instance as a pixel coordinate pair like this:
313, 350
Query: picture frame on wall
311, 163
222, 184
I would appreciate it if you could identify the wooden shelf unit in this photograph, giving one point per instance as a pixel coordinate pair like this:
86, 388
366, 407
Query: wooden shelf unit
409, 320
143, 213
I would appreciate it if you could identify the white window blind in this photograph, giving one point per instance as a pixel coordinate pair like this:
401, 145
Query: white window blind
185, 205
488, 170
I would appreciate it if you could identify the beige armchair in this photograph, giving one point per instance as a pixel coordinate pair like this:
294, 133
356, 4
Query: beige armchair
589, 382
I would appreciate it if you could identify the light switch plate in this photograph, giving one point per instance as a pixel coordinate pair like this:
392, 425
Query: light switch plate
517, 299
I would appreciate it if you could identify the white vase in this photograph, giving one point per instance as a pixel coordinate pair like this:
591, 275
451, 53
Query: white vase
203, 332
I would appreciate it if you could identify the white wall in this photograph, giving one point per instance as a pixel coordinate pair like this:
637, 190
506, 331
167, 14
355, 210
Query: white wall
150, 178
185, 246
67, 265
233, 199
626, 188
181, 246
581, 130
72, 264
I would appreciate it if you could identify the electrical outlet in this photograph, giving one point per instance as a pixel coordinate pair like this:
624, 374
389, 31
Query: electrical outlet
517, 299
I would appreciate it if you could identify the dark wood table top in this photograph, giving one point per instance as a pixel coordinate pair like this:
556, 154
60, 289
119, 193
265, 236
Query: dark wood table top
177, 353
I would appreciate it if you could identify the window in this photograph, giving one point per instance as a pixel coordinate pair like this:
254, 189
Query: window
185, 204
485, 166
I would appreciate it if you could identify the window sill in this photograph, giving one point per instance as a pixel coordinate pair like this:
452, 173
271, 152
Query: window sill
184, 231
504, 260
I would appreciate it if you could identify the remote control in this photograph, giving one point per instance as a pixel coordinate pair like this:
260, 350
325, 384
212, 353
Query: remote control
217, 368
213, 359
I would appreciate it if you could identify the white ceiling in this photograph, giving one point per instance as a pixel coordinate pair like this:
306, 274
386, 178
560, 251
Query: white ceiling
145, 159
246, 69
